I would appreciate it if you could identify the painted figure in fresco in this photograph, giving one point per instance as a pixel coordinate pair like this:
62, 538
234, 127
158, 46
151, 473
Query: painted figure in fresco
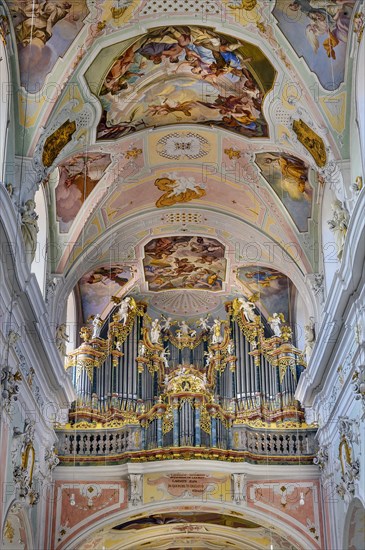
29, 228
338, 225
155, 331
39, 20
178, 189
78, 177
264, 278
331, 18
294, 173
105, 274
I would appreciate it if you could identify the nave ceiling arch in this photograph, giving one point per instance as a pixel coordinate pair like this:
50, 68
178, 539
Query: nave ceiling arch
220, 114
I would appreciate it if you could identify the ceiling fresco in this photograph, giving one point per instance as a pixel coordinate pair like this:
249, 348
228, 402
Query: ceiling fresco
318, 31
187, 517
270, 288
177, 75
99, 285
44, 31
288, 177
184, 263
184, 136
78, 176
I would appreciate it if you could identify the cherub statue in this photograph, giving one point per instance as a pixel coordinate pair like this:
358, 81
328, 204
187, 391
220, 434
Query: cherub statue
167, 322
203, 323
338, 225
155, 331
310, 338
97, 324
275, 321
29, 228
61, 339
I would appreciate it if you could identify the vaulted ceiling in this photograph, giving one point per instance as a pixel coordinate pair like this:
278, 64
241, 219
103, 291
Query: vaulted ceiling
183, 146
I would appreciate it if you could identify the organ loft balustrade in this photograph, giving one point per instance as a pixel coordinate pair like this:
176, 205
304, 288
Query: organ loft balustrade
160, 388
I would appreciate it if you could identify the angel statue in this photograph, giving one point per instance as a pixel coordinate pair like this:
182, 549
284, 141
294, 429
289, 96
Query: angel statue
164, 355
248, 309
155, 331
216, 330
339, 224
61, 339
275, 322
126, 305
310, 338
29, 228
184, 328
203, 323
97, 324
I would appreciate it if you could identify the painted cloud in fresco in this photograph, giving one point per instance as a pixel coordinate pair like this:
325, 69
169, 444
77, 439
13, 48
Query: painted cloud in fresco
318, 31
272, 288
78, 176
184, 262
44, 31
98, 286
183, 75
288, 176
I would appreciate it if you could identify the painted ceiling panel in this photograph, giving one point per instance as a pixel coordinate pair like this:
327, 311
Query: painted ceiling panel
270, 288
78, 176
99, 285
44, 32
184, 263
288, 177
318, 31
183, 75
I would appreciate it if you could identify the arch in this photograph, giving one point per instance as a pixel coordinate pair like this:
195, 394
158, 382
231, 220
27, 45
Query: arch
4, 105
360, 99
354, 527
276, 532
16, 527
